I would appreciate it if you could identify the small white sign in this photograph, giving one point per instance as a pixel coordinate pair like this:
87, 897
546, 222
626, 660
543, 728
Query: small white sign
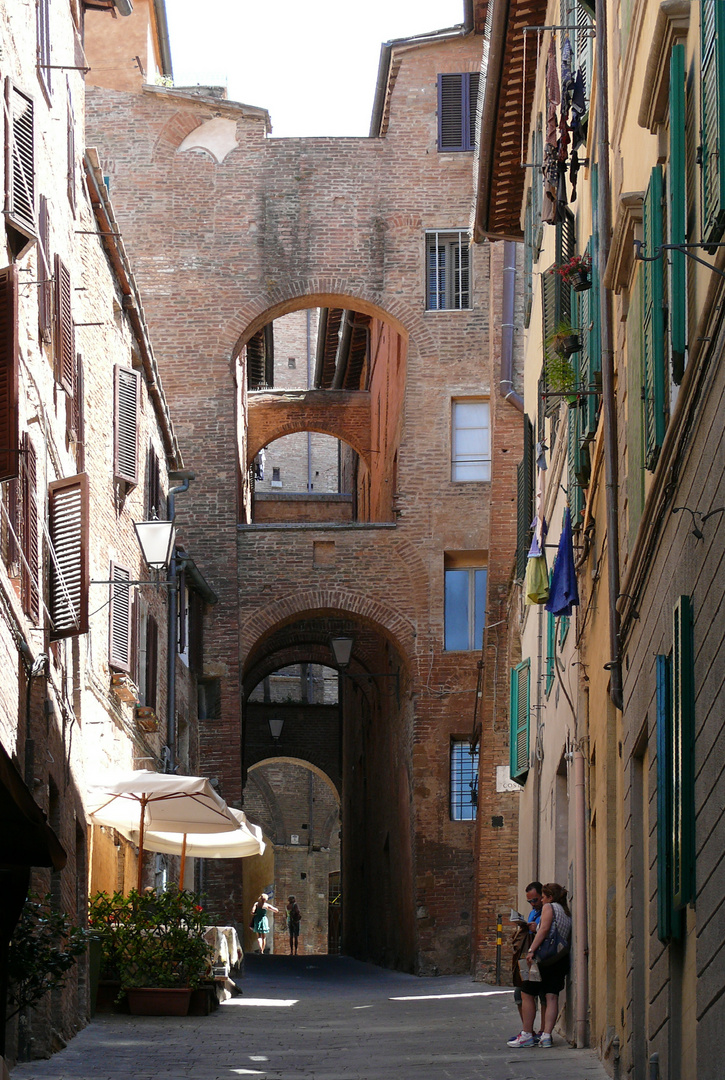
504, 781
294, 838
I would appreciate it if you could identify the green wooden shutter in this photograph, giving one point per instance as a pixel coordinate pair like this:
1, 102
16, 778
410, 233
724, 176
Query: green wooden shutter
519, 721
653, 322
712, 39
549, 321
668, 921
578, 465
677, 216
525, 500
683, 754
528, 258
550, 647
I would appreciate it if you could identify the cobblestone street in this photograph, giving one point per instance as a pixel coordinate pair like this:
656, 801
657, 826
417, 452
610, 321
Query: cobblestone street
323, 1018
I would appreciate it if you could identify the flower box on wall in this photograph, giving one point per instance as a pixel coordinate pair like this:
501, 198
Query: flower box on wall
124, 687
146, 718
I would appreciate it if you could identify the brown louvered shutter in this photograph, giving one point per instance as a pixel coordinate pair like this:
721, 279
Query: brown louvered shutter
43, 45
473, 80
29, 592
451, 125
152, 653
119, 651
68, 576
10, 527
9, 431
19, 160
65, 337
127, 393
154, 494
45, 289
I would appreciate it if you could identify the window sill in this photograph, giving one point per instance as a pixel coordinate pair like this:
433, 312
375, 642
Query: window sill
448, 311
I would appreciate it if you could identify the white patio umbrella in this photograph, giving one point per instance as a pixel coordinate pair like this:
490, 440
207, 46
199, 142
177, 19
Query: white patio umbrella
238, 844
140, 801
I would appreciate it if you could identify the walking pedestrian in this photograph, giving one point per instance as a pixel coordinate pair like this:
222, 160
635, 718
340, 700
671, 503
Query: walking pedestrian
260, 921
554, 913
294, 917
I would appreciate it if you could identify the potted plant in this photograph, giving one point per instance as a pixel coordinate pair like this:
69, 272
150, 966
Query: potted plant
153, 945
575, 272
560, 372
564, 341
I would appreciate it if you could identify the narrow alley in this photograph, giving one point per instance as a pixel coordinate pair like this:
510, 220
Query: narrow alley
322, 1017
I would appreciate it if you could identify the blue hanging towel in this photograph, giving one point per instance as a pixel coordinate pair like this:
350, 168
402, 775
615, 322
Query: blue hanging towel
563, 591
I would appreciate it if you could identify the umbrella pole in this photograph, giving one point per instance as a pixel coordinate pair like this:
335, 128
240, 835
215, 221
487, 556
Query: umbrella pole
140, 844
183, 863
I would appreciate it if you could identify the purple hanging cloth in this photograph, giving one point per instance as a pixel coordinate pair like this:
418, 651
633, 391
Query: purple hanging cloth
564, 592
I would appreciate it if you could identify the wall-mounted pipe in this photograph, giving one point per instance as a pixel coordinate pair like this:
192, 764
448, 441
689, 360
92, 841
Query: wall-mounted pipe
506, 386
185, 476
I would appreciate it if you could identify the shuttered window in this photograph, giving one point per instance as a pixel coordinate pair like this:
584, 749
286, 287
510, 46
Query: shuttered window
155, 502
68, 570
457, 100
127, 391
71, 149
519, 712
30, 566
77, 416
65, 337
668, 921
20, 170
45, 289
42, 11
578, 465
524, 500
119, 653
152, 660
653, 323
712, 106
683, 753
9, 428
677, 214
448, 271
528, 258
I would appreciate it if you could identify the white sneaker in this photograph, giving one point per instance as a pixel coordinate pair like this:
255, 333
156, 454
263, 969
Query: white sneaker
525, 1038
545, 1040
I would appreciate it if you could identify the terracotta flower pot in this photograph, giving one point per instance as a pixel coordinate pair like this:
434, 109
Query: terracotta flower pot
158, 1001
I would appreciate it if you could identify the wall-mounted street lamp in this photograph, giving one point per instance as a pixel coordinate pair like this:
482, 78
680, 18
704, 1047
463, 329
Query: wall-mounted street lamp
276, 723
342, 652
156, 540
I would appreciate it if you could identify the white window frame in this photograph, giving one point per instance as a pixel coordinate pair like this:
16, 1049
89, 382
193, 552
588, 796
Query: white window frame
469, 463
448, 287
472, 644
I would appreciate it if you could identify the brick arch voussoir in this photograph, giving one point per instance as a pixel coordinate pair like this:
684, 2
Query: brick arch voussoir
300, 763
177, 127
328, 292
393, 625
302, 653
341, 431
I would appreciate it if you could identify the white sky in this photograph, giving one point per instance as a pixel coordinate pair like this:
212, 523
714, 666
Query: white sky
312, 64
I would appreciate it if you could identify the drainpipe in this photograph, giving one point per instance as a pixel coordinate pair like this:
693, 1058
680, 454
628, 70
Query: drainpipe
185, 476
506, 386
581, 929
604, 227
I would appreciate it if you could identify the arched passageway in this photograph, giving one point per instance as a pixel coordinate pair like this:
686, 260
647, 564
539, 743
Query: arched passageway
360, 738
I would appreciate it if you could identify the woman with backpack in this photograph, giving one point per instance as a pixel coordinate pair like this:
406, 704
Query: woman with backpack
550, 948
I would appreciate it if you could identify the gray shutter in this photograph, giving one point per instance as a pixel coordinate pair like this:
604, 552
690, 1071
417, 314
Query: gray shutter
29, 593
43, 45
45, 288
68, 576
9, 427
450, 112
127, 390
119, 652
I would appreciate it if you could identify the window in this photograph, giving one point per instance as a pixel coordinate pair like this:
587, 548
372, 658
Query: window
150, 680
291, 362
276, 481
30, 563
71, 151
465, 604
470, 440
519, 711
120, 619
556, 300
65, 338
20, 171
457, 100
464, 780
42, 15
448, 265
155, 502
653, 322
68, 572
677, 214
127, 400
712, 107
9, 424
676, 775
45, 289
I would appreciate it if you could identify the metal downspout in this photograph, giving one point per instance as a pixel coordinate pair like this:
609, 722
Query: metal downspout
581, 919
609, 411
506, 386
173, 616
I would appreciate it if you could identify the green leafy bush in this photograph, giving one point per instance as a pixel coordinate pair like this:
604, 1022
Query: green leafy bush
149, 939
43, 949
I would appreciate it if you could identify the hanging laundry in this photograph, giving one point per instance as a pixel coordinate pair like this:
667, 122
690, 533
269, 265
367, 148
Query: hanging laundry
536, 587
567, 74
564, 592
573, 173
578, 108
550, 171
553, 95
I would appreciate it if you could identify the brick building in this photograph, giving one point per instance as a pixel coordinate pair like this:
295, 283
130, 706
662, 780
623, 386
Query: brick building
97, 675
229, 231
